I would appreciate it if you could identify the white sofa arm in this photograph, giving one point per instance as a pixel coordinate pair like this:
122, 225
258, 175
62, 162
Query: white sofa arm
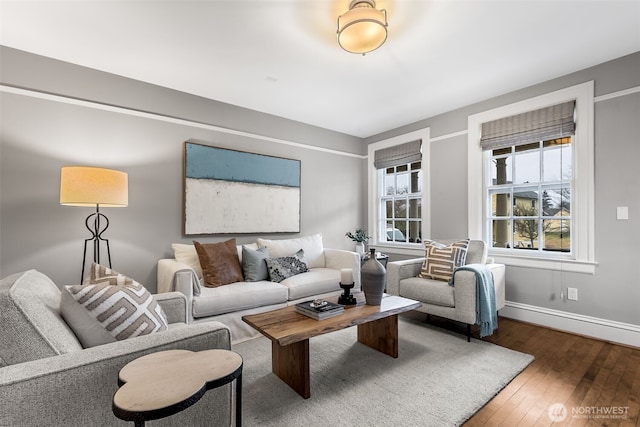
178, 277
167, 269
465, 296
338, 259
398, 270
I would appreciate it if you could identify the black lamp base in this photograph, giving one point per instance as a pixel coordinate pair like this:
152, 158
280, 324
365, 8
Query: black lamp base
96, 228
346, 298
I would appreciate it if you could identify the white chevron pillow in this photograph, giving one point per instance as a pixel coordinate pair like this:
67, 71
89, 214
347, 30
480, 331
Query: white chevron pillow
110, 307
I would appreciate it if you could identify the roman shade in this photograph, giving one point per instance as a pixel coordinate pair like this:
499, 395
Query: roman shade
398, 155
552, 122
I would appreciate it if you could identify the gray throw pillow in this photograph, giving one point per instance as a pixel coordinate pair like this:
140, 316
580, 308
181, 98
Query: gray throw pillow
284, 267
254, 266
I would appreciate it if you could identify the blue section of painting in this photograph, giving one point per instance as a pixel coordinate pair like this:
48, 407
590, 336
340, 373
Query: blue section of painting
203, 162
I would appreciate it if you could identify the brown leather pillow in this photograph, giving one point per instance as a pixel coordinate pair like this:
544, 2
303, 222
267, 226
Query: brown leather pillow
220, 263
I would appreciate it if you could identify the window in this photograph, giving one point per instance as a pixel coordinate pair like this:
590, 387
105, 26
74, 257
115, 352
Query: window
531, 191
397, 189
401, 203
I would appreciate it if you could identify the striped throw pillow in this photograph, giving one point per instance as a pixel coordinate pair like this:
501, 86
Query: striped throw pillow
115, 304
442, 260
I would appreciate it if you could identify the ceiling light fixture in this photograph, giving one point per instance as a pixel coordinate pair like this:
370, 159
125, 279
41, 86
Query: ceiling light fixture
363, 28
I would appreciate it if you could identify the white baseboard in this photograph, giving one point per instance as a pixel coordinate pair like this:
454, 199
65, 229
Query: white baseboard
608, 330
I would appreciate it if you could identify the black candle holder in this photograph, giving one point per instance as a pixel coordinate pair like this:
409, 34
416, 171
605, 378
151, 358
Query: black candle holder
346, 298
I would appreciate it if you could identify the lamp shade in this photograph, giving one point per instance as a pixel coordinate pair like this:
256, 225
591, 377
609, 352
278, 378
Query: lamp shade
362, 28
91, 186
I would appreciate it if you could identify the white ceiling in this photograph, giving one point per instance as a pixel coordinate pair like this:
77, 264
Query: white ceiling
281, 56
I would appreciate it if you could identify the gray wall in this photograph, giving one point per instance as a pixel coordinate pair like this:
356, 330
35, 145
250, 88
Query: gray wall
39, 136
613, 293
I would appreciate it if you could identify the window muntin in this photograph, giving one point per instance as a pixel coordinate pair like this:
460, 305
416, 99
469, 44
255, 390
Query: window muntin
529, 197
401, 204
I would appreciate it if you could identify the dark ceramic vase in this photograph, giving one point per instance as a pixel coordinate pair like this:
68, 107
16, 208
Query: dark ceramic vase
373, 277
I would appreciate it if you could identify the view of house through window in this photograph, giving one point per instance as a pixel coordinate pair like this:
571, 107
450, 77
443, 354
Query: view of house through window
401, 203
529, 196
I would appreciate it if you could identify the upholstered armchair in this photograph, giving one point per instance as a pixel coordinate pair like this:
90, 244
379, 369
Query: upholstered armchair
48, 379
437, 296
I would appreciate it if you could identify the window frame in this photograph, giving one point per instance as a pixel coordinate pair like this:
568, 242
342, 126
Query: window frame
582, 259
375, 184
407, 197
517, 187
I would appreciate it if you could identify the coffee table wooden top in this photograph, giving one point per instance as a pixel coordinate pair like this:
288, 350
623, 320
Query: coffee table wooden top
287, 326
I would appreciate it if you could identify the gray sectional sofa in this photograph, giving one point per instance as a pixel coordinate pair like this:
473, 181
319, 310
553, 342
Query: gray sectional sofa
230, 302
48, 379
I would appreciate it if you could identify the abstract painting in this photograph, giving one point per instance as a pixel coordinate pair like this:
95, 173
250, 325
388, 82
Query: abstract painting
231, 192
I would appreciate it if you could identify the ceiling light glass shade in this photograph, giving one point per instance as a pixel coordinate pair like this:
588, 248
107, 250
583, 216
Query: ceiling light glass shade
90, 186
362, 28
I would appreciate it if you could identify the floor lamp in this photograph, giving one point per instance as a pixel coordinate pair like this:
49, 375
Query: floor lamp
91, 186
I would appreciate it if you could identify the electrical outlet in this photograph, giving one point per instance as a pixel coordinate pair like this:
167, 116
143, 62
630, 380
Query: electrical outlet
572, 294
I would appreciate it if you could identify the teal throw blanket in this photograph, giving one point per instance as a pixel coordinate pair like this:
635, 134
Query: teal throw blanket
486, 316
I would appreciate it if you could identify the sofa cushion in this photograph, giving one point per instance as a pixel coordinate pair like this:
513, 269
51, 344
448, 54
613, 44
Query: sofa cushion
220, 263
31, 325
238, 296
311, 245
110, 307
254, 266
441, 260
428, 291
286, 266
316, 281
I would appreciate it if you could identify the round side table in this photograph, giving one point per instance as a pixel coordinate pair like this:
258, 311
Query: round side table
161, 384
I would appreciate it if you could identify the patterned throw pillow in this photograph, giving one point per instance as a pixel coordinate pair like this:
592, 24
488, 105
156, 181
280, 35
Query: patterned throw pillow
283, 267
110, 307
442, 260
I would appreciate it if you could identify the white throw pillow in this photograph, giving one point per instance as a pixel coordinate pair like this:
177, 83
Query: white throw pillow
187, 254
311, 245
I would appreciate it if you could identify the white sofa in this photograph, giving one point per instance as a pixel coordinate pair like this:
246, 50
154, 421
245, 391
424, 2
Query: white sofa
228, 303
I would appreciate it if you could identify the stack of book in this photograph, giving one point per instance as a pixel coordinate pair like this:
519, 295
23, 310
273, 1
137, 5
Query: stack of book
319, 311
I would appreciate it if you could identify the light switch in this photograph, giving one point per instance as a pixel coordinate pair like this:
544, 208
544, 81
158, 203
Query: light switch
622, 212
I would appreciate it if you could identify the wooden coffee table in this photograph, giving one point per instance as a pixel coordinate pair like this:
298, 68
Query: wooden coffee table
289, 332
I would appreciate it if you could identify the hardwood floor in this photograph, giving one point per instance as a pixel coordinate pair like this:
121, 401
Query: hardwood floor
597, 382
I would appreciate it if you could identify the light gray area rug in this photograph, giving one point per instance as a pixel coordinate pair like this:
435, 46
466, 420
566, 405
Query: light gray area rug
439, 379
